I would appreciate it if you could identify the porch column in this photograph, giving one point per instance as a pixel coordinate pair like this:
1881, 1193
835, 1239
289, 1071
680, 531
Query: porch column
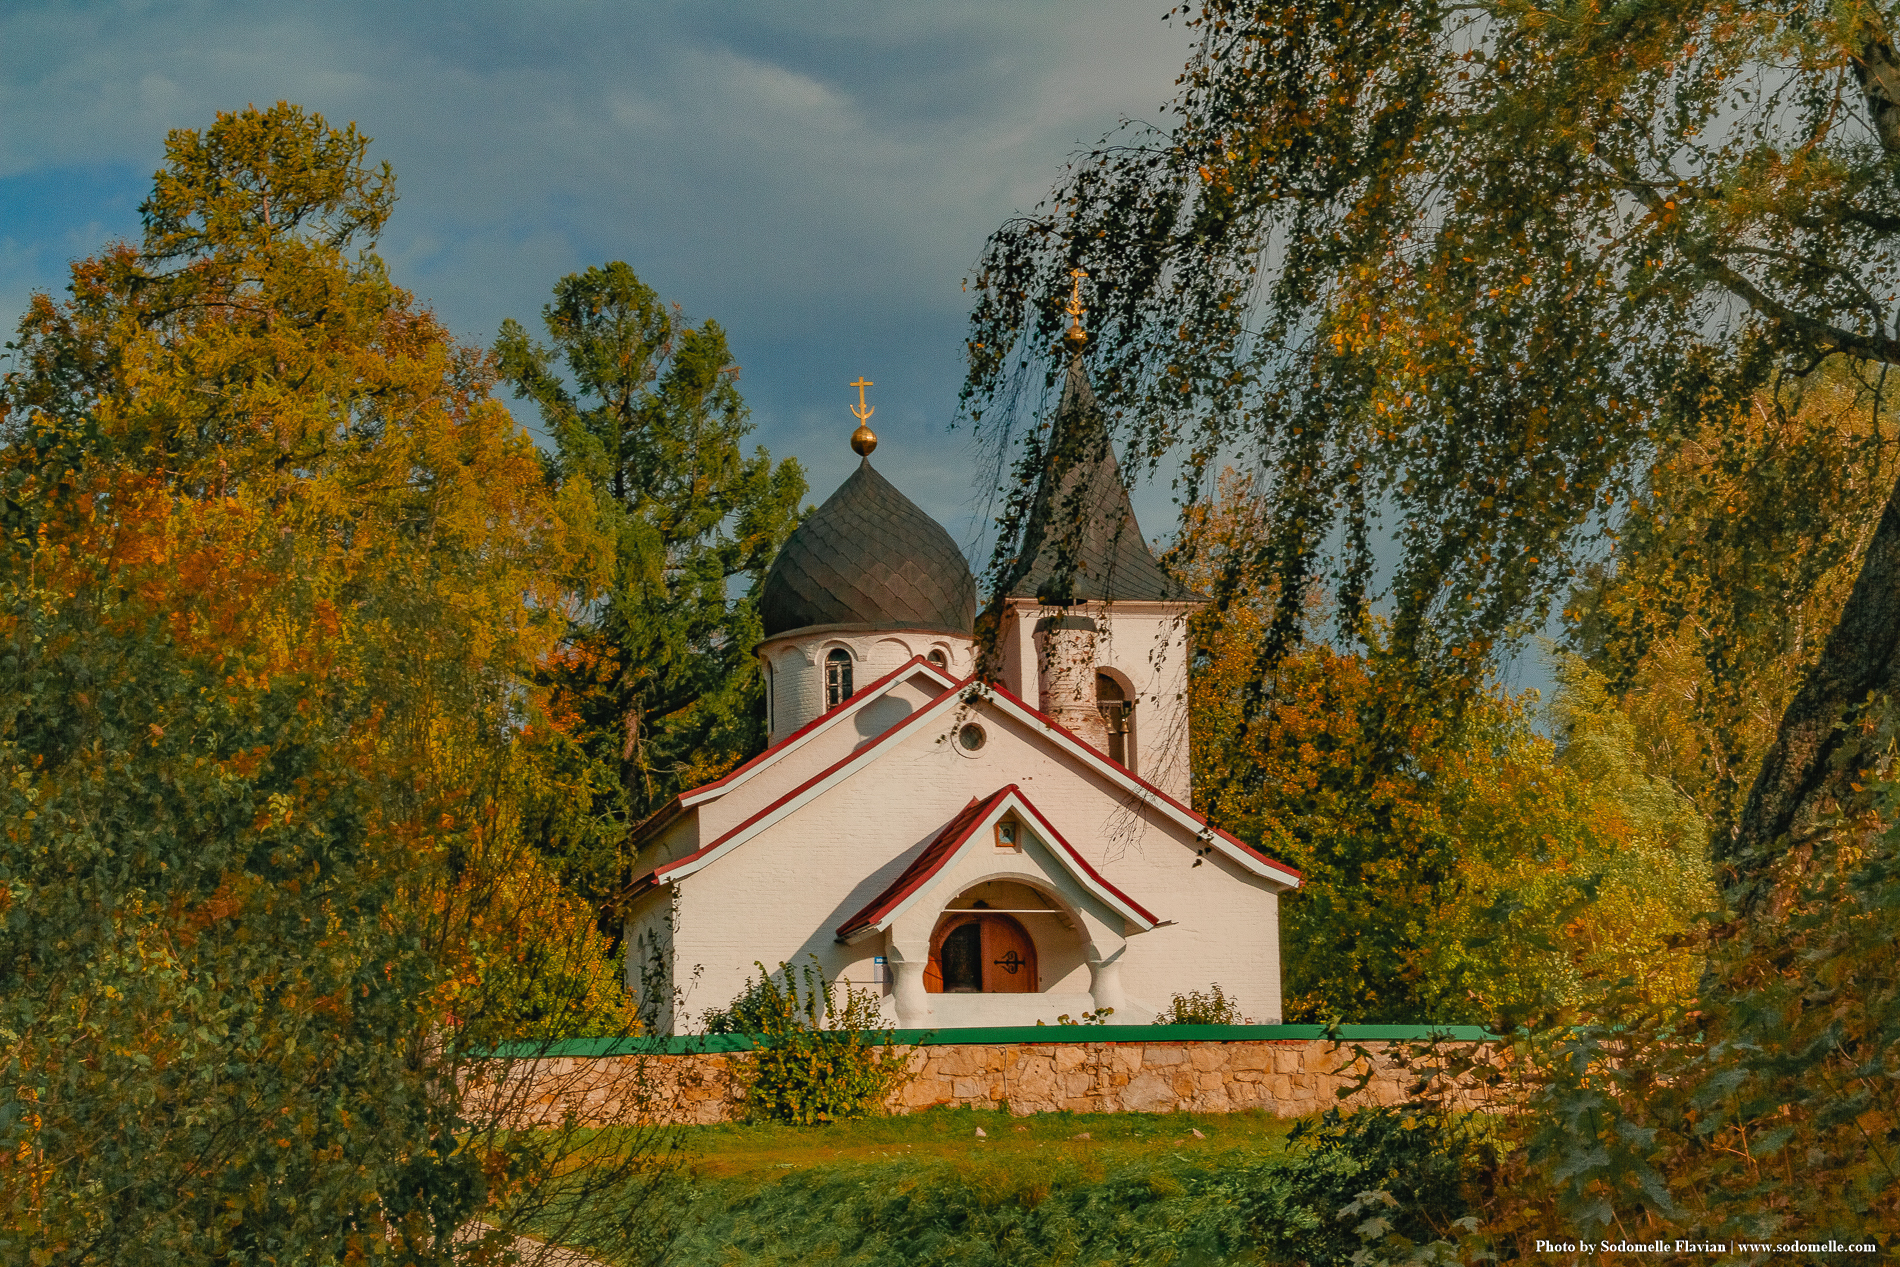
907, 959
1105, 980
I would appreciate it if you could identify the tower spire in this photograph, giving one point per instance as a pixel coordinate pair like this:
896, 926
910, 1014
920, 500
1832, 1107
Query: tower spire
1080, 542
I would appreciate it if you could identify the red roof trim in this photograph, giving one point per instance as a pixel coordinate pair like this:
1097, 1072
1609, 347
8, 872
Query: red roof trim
942, 847
664, 816
661, 871
639, 886
1064, 731
653, 823
1049, 829
949, 842
858, 699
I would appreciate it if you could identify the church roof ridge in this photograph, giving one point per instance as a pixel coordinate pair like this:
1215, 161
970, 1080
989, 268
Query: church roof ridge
942, 847
970, 689
732, 778
1185, 810
1082, 542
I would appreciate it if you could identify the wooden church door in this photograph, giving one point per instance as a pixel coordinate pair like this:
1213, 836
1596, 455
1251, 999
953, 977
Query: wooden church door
1009, 957
956, 961
982, 954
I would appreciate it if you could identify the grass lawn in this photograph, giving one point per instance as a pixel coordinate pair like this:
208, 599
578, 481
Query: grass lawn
926, 1189
1010, 1145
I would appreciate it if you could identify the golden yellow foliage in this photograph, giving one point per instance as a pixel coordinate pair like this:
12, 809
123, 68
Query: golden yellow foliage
1456, 868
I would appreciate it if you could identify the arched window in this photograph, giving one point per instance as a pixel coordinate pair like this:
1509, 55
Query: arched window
837, 678
937, 658
1115, 708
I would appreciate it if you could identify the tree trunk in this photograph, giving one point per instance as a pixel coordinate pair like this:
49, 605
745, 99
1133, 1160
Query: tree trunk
1859, 663
1877, 68
1861, 657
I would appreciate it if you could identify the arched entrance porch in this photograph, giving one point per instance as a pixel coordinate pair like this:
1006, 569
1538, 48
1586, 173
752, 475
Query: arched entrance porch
981, 953
1006, 935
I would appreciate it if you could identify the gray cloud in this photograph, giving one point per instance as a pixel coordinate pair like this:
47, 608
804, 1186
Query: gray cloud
817, 177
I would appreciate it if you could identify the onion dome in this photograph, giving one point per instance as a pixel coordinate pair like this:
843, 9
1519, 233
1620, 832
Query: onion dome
869, 558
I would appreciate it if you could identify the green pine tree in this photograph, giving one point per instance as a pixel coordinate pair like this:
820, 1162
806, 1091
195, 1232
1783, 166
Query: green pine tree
659, 689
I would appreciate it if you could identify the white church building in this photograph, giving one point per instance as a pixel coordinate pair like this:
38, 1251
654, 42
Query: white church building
981, 843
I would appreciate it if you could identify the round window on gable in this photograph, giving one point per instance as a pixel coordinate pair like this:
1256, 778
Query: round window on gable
971, 737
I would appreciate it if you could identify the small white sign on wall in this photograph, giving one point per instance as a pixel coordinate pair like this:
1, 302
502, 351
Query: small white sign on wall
880, 971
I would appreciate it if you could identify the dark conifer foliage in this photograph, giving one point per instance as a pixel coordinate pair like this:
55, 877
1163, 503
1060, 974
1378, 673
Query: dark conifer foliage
644, 407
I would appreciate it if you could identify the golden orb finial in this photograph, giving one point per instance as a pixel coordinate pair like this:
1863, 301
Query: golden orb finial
1076, 335
863, 440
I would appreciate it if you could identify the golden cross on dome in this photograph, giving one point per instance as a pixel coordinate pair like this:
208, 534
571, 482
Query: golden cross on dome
1076, 336
863, 440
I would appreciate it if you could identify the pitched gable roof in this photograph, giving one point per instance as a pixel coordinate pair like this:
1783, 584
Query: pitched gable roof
1249, 859
1226, 842
916, 666
944, 846
956, 837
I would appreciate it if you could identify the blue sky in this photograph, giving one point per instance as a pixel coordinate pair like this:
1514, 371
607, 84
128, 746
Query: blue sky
819, 177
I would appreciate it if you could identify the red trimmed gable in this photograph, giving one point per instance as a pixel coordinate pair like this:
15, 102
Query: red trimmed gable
875, 748
1151, 789
950, 842
663, 817
940, 850
837, 712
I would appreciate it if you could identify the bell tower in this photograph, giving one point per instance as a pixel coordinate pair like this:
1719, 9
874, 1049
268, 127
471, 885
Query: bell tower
1093, 631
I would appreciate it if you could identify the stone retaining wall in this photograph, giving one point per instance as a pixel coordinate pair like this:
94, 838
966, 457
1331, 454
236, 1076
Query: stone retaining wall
1289, 1078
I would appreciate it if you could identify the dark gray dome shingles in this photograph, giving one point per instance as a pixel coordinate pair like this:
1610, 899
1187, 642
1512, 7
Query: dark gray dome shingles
869, 556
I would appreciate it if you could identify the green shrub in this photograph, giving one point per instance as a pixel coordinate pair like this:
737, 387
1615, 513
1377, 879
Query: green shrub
1364, 1184
746, 1013
816, 1058
1211, 1007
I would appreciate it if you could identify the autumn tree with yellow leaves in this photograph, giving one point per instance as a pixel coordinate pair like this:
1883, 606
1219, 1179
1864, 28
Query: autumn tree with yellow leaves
277, 573
1472, 876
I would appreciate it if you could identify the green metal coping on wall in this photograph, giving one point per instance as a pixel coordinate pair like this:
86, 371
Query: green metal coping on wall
1017, 1036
